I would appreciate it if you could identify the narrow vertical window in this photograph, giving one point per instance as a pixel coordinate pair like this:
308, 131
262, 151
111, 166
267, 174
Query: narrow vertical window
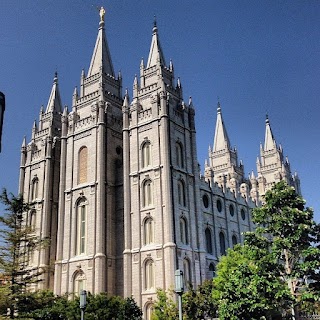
147, 193
34, 190
81, 228
186, 273
183, 231
222, 243
149, 275
146, 154
83, 165
32, 221
208, 240
79, 283
234, 240
148, 231
181, 193
212, 271
149, 311
179, 155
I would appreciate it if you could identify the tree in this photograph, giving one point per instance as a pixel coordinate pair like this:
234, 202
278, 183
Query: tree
247, 286
165, 308
16, 242
286, 229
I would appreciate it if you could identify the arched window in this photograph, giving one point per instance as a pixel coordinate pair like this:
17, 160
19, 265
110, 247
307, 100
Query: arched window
147, 193
34, 189
83, 165
186, 273
149, 311
146, 154
231, 210
219, 205
222, 243
79, 283
243, 214
212, 270
234, 240
81, 227
184, 231
208, 240
32, 220
181, 193
179, 155
148, 231
149, 275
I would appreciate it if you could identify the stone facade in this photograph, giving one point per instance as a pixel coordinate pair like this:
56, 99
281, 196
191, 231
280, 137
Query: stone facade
116, 186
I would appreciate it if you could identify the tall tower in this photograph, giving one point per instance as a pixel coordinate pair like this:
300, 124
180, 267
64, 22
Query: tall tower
39, 176
272, 167
161, 182
90, 236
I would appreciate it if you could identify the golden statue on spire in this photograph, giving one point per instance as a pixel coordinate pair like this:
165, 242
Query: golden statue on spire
102, 13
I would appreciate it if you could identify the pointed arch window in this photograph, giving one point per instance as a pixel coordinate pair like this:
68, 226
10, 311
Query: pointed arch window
81, 227
184, 231
79, 283
34, 189
147, 193
179, 155
222, 242
181, 193
83, 165
208, 241
212, 271
148, 231
234, 240
149, 275
149, 311
146, 154
32, 220
186, 273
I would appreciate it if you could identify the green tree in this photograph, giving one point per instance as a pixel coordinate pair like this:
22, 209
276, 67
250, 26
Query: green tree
286, 229
165, 308
16, 242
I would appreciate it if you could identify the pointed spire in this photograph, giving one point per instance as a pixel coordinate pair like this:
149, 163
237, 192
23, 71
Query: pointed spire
101, 57
24, 142
221, 139
269, 142
190, 103
126, 99
155, 53
54, 103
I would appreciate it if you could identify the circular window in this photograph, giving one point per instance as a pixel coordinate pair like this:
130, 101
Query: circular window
243, 214
205, 200
231, 209
219, 205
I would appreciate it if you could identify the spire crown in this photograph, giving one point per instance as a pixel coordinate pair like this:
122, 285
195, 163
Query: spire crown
155, 53
221, 139
54, 102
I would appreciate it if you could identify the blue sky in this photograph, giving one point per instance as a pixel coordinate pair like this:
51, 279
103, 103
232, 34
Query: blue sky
257, 56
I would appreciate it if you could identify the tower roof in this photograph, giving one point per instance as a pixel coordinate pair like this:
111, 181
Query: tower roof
101, 57
269, 141
221, 139
155, 53
54, 103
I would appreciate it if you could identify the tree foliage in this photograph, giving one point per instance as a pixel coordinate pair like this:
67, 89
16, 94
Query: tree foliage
17, 240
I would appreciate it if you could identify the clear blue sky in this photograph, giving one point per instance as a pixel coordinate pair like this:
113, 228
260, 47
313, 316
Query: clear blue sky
258, 57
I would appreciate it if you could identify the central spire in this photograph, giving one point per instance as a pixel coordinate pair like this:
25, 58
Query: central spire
221, 139
269, 141
155, 53
101, 58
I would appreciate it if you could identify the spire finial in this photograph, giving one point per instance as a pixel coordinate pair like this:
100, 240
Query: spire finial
102, 13
218, 105
267, 118
154, 24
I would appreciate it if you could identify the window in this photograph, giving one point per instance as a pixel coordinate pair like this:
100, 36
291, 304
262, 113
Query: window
234, 240
222, 243
208, 240
149, 275
34, 190
32, 220
79, 283
231, 210
205, 200
146, 154
243, 214
149, 311
181, 193
186, 273
179, 155
81, 227
147, 193
148, 231
183, 231
212, 270
219, 205
83, 165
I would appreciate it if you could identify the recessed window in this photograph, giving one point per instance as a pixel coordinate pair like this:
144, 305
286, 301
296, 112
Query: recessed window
83, 165
243, 214
208, 240
222, 242
234, 240
219, 205
118, 150
146, 154
148, 231
181, 193
149, 275
179, 155
231, 210
184, 231
205, 200
147, 193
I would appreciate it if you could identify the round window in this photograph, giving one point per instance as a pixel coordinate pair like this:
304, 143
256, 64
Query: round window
243, 214
231, 209
205, 200
219, 205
